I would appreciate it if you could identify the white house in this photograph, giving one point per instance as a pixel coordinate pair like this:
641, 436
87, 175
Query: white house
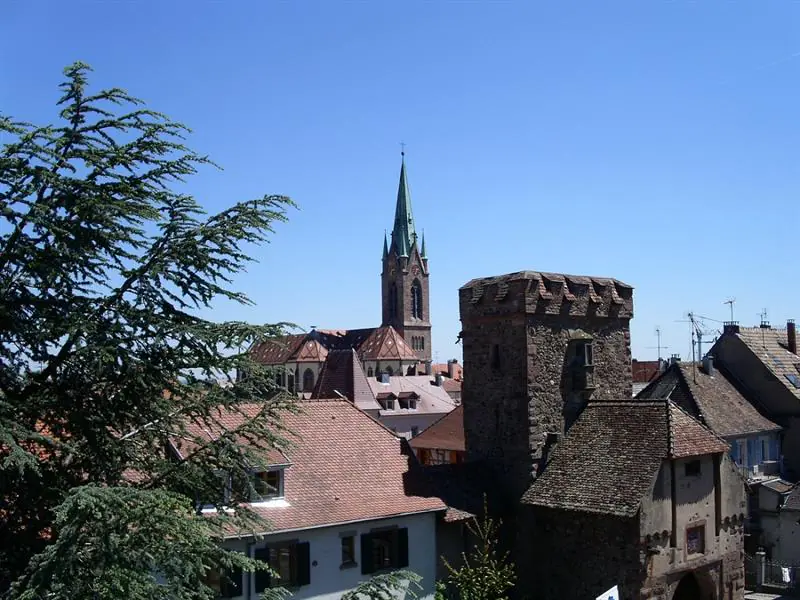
338, 506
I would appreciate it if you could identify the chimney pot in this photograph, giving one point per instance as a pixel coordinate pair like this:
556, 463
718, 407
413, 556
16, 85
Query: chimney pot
708, 364
791, 336
439, 379
730, 327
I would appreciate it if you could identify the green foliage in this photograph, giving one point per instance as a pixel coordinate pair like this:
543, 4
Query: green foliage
105, 268
387, 586
485, 573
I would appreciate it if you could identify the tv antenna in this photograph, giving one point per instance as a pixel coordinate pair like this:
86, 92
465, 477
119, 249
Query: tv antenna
659, 347
730, 302
698, 332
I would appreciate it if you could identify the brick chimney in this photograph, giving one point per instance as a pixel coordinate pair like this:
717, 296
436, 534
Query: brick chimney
730, 327
451, 368
791, 336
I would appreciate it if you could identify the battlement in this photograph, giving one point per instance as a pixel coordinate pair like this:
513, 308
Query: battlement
533, 292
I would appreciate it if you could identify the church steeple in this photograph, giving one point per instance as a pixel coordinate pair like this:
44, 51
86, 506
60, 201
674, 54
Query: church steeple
403, 234
405, 276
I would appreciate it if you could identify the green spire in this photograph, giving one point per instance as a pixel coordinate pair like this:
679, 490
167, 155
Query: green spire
424, 253
403, 234
385, 245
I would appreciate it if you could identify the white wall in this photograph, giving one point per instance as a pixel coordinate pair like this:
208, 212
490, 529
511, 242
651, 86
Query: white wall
328, 580
402, 421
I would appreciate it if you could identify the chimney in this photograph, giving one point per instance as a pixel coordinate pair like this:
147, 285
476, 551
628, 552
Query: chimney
384, 377
428, 367
674, 359
730, 327
764, 324
439, 379
708, 364
662, 365
791, 336
451, 368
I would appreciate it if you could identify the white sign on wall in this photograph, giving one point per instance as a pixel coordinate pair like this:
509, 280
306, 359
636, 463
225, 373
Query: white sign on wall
612, 594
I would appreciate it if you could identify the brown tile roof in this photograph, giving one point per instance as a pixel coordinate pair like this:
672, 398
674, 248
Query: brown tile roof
770, 346
451, 385
445, 434
384, 343
432, 398
342, 374
611, 455
644, 371
344, 467
720, 405
374, 343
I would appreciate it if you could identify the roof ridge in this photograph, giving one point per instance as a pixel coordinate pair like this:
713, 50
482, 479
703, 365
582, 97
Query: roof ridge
700, 423
700, 410
352, 405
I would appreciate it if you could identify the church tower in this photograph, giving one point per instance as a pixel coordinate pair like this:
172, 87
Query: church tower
404, 280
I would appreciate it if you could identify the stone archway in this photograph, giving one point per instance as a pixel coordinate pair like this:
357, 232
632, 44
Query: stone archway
688, 589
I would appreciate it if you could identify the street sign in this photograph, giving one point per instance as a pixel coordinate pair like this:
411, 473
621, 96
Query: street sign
612, 594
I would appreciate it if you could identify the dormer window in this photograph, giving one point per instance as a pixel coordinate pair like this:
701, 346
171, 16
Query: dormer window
386, 401
408, 401
267, 485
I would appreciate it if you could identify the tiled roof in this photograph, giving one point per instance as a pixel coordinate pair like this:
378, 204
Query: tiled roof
444, 369
342, 374
384, 343
345, 467
373, 343
644, 371
445, 434
451, 385
770, 346
432, 398
609, 458
720, 405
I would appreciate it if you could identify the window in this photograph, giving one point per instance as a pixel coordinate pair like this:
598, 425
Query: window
495, 357
387, 549
308, 380
279, 379
696, 540
439, 457
692, 468
793, 379
290, 382
370, 372
416, 299
764, 449
408, 403
414, 431
348, 551
224, 584
584, 354
291, 562
267, 485
392, 300
389, 371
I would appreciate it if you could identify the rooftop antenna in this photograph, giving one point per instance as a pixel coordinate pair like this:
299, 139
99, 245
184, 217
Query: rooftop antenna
659, 347
730, 302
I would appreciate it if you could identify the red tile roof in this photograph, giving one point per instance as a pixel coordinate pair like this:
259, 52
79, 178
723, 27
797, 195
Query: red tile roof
445, 434
344, 467
444, 369
451, 385
384, 343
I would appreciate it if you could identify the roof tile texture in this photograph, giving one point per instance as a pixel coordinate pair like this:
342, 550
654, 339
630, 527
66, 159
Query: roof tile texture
445, 434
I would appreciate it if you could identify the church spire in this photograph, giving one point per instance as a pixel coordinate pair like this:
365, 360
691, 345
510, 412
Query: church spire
386, 245
403, 234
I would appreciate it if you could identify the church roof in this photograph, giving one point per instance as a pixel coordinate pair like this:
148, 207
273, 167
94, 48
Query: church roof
384, 343
342, 374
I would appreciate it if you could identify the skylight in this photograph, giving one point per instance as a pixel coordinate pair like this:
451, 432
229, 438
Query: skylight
794, 380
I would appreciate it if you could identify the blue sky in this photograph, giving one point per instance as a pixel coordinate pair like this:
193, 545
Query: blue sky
654, 142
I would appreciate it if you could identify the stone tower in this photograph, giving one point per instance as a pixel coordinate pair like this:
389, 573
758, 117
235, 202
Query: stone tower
537, 347
404, 280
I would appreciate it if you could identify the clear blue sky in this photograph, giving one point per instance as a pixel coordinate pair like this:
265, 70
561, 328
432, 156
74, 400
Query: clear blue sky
654, 142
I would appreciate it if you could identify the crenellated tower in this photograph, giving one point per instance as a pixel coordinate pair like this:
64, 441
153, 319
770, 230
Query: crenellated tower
405, 276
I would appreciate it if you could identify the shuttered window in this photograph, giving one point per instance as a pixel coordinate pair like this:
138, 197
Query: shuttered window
291, 562
383, 550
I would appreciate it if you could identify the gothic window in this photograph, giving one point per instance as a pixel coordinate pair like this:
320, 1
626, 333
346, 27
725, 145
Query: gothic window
389, 371
290, 381
370, 372
308, 380
416, 299
392, 300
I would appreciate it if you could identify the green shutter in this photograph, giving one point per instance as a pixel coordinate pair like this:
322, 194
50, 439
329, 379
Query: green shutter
367, 566
303, 563
402, 548
263, 578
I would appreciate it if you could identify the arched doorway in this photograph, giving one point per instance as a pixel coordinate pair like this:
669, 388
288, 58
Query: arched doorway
688, 589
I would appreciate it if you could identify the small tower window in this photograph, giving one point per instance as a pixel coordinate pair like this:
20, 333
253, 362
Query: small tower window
392, 300
416, 299
308, 380
370, 372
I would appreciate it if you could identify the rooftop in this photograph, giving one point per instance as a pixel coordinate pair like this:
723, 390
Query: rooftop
445, 434
332, 477
431, 398
717, 401
770, 346
608, 460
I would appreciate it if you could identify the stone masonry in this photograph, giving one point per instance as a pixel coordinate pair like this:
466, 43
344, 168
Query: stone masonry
520, 333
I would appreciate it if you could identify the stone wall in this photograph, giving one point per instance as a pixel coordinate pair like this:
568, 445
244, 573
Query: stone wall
517, 332
573, 555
